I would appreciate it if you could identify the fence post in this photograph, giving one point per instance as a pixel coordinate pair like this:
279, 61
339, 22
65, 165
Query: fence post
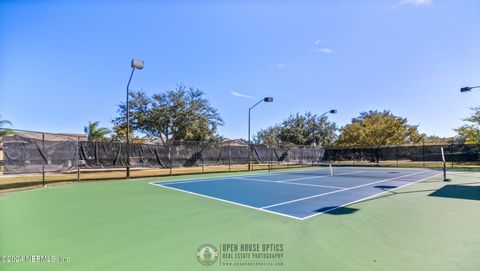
271, 160
201, 156
229, 157
78, 159
45, 158
171, 158
396, 153
452, 152
423, 152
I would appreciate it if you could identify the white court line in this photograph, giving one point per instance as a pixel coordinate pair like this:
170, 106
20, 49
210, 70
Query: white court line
369, 197
285, 182
223, 200
285, 215
341, 190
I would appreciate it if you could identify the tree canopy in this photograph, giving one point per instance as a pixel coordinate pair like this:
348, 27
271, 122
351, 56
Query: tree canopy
470, 132
378, 128
306, 129
182, 114
96, 133
3, 123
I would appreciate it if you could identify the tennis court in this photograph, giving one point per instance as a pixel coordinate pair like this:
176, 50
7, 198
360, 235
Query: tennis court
303, 193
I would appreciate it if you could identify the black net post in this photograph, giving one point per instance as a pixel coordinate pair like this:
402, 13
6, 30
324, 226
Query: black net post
445, 171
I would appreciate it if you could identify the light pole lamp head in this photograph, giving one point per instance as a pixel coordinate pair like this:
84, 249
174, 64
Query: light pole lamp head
333, 111
137, 64
465, 89
268, 99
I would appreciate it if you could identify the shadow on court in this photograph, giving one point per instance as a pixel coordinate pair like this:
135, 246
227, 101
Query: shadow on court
385, 187
330, 210
456, 191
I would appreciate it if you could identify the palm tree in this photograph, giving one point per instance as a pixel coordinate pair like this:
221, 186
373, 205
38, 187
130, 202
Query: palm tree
95, 133
4, 131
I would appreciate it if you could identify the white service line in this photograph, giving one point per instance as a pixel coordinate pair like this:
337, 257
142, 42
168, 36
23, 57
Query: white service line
341, 190
369, 197
223, 200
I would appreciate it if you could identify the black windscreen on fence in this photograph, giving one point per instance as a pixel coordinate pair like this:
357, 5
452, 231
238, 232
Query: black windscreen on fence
454, 153
31, 155
38, 152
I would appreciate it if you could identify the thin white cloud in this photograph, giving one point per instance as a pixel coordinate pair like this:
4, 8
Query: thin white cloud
317, 42
415, 3
324, 50
280, 66
238, 94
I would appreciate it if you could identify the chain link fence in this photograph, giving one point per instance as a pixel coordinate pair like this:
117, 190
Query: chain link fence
34, 158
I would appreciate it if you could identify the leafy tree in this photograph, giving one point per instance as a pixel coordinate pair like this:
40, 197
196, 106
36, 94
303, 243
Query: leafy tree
376, 128
269, 136
470, 132
4, 131
431, 139
94, 132
179, 114
119, 135
299, 129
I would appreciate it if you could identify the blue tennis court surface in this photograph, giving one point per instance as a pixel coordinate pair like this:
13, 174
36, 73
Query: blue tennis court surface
301, 194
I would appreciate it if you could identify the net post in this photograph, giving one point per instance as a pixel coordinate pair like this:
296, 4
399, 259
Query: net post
445, 172
444, 165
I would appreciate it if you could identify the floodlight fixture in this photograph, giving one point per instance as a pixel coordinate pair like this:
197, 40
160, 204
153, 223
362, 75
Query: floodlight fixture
137, 64
466, 89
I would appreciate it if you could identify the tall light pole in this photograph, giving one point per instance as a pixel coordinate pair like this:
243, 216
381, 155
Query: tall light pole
136, 64
267, 100
331, 111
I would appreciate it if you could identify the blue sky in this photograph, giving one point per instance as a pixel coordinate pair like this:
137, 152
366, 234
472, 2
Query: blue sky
63, 64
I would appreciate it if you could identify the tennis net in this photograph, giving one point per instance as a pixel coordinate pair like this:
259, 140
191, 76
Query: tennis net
356, 169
